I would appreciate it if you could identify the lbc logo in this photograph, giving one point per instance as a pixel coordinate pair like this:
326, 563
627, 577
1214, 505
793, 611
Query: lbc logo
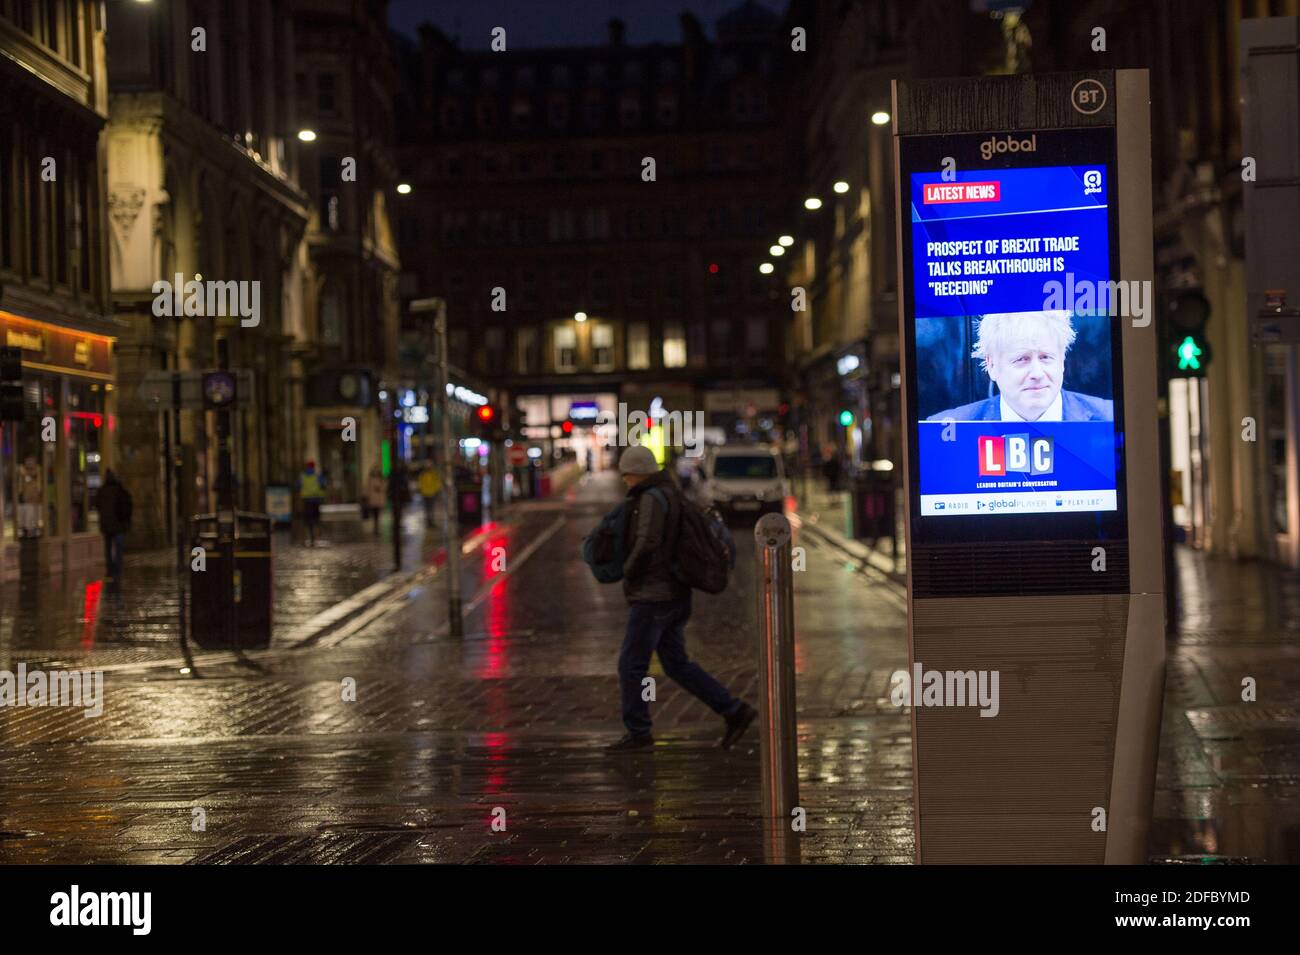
1015, 452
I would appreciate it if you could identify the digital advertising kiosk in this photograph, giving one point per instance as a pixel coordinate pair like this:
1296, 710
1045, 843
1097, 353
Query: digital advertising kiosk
1031, 465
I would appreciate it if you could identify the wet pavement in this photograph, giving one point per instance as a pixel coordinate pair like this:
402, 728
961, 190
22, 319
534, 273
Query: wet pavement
447, 737
443, 732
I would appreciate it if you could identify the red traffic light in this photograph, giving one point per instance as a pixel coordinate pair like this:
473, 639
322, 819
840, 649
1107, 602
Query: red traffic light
486, 413
567, 427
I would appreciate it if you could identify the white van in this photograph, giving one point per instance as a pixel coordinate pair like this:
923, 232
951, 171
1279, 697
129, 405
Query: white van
744, 480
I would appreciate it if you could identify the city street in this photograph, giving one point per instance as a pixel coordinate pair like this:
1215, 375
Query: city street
515, 715
443, 731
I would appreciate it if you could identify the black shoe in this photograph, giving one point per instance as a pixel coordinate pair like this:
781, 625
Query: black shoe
737, 723
631, 742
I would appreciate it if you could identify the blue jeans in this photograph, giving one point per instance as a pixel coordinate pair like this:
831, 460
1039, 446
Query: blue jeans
114, 545
660, 626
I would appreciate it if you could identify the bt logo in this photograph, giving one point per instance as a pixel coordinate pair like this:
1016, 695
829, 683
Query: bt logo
1015, 452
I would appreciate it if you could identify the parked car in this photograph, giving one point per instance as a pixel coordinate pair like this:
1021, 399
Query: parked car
744, 480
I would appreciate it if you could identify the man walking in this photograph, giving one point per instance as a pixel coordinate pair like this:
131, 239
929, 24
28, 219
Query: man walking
430, 485
659, 606
399, 495
311, 490
113, 501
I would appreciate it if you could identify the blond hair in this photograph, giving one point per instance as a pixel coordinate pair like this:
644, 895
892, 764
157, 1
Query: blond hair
996, 328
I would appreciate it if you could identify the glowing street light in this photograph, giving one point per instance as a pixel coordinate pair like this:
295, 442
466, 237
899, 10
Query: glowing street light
767, 268
880, 117
404, 188
786, 240
776, 250
812, 203
841, 187
307, 135
579, 317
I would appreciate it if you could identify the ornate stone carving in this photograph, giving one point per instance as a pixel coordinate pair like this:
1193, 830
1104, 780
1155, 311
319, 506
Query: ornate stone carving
124, 205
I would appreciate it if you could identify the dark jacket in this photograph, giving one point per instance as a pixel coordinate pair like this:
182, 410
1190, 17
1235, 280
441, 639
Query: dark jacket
647, 571
113, 502
1074, 407
399, 485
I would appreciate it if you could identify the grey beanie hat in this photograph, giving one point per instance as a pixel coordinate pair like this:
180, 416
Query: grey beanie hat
637, 460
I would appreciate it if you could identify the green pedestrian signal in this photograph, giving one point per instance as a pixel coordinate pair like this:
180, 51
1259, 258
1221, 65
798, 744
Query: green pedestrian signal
1191, 355
846, 417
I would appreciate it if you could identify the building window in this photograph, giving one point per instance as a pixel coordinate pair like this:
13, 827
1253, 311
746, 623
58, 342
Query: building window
602, 347
638, 345
494, 340
629, 110
526, 351
600, 287
559, 113
566, 348
326, 98
638, 286
597, 223
521, 113
674, 345
331, 318
451, 116
666, 109
697, 345
27, 456
562, 225
85, 431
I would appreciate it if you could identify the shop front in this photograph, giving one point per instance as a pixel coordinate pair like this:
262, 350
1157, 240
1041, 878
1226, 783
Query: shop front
53, 461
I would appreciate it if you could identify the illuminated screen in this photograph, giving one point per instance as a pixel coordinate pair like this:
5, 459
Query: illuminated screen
1014, 388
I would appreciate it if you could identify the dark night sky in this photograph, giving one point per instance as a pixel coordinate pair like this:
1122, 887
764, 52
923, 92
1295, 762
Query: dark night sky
534, 23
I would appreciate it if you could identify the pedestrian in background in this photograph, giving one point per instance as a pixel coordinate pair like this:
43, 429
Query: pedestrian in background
659, 605
113, 501
376, 495
430, 484
399, 495
31, 498
311, 491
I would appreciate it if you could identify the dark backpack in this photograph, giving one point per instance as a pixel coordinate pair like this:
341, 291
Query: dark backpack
605, 548
703, 551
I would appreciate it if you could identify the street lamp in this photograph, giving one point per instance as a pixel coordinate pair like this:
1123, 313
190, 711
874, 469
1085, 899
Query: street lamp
403, 188
307, 135
812, 203
841, 187
579, 317
880, 117
776, 250
767, 268
786, 240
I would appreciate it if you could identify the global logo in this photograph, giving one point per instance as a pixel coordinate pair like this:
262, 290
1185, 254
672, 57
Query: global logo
1008, 144
1091, 182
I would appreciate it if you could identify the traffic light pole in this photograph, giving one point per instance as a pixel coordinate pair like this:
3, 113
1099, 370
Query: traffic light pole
454, 619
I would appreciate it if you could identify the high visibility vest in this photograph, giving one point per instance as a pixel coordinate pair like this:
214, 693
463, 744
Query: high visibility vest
309, 486
430, 482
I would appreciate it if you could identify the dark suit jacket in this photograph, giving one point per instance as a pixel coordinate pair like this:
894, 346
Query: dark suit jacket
1074, 407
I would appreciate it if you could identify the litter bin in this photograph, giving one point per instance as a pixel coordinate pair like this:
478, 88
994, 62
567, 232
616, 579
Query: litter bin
230, 600
872, 500
469, 504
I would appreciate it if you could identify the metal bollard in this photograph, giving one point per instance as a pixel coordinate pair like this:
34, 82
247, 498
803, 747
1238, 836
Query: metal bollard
779, 744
